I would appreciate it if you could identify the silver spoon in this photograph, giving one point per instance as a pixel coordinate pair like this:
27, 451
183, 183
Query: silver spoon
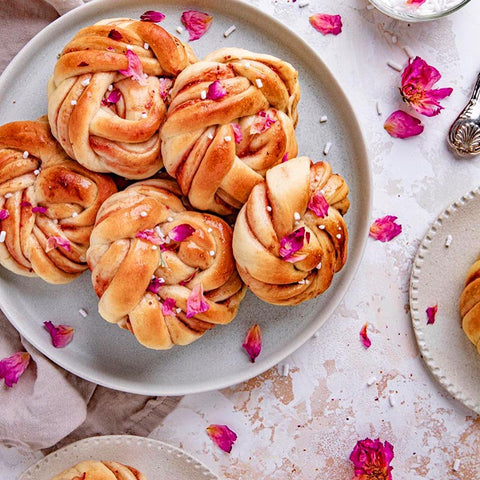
464, 134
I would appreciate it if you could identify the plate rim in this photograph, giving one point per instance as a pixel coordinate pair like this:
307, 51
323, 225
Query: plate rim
353, 262
111, 438
415, 313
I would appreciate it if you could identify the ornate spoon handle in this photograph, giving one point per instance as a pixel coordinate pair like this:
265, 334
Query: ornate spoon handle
464, 134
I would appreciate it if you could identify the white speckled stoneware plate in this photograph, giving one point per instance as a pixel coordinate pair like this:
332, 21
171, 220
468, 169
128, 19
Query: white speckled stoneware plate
105, 354
155, 459
438, 276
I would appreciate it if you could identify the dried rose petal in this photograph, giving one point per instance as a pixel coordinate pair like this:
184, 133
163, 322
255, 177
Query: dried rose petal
292, 243
150, 236
152, 16
285, 157
155, 284
115, 35
402, 125
319, 205
168, 306
196, 302
196, 23
237, 132
135, 69
4, 214
181, 232
11, 368
39, 210
113, 97
416, 3
165, 86
216, 91
222, 436
253, 342
371, 460
25, 204
431, 314
262, 123
364, 336
61, 335
326, 24
55, 241
385, 228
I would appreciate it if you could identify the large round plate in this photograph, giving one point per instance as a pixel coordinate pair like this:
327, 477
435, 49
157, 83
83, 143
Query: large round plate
438, 276
105, 354
153, 458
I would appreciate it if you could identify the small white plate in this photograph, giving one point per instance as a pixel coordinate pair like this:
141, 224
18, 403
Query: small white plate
438, 275
155, 459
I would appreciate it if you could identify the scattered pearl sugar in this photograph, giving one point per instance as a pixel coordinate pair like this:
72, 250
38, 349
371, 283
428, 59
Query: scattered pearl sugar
394, 65
321, 227
55, 221
408, 51
85, 82
209, 230
319, 266
391, 400
73, 102
228, 138
203, 94
154, 247
36, 172
144, 115
83, 312
9, 195
428, 8
143, 214
146, 46
338, 235
371, 381
3, 234
296, 216
210, 136
179, 29
74, 214
259, 83
285, 369
129, 47
170, 219
456, 465
246, 65
212, 253
327, 148
178, 310
394, 39
229, 31
379, 109
269, 208
323, 119
448, 241
25, 154
110, 88
304, 4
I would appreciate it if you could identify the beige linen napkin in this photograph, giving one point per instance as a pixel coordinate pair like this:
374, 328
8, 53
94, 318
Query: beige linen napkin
50, 407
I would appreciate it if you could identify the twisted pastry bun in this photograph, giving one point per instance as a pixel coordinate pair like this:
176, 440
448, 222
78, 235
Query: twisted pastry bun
100, 470
151, 261
48, 204
470, 305
106, 120
231, 118
290, 237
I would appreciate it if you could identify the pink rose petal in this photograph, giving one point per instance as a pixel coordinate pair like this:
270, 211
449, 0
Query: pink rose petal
216, 91
168, 306
12, 368
319, 205
364, 336
253, 342
55, 241
292, 243
149, 236
237, 132
385, 229
326, 24
165, 86
416, 3
25, 204
431, 314
371, 460
262, 123
155, 285
418, 79
181, 232
196, 302
222, 436
61, 335
196, 23
115, 35
152, 16
285, 157
39, 210
402, 125
113, 97
4, 214
135, 69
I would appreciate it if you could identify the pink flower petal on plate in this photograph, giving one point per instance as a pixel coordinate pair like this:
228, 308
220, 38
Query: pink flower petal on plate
326, 24
39, 210
168, 306
165, 86
364, 336
196, 302
152, 16
135, 68
237, 132
402, 125
371, 460
222, 436
155, 285
292, 243
196, 23
262, 123
149, 236
181, 232
385, 229
416, 3
115, 35
56, 241
285, 157
431, 314
216, 91
418, 79
12, 368
253, 342
61, 335
113, 97
319, 205
4, 214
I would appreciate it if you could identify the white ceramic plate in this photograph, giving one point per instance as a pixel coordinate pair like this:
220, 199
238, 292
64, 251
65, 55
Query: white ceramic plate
105, 354
438, 275
155, 459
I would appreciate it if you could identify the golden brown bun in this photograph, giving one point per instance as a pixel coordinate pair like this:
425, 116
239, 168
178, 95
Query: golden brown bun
122, 137
46, 178
275, 209
123, 265
470, 305
100, 470
198, 140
